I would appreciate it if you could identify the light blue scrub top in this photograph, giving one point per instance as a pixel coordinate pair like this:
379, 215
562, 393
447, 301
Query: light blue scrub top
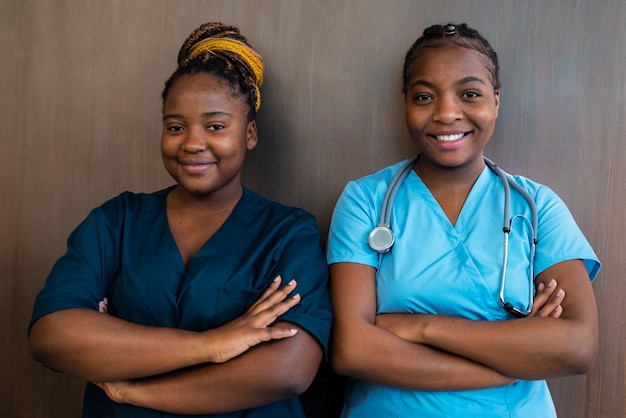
438, 268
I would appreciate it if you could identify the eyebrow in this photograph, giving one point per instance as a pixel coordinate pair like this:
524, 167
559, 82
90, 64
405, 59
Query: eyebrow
471, 79
462, 81
206, 115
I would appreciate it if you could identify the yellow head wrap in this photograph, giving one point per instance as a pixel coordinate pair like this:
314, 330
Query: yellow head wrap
254, 60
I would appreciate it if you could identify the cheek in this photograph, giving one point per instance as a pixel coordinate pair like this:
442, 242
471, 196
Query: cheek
414, 120
168, 147
487, 117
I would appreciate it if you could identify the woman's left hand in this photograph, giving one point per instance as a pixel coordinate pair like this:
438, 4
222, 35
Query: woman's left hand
115, 390
547, 301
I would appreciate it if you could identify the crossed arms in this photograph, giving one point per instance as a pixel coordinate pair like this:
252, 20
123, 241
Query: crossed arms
432, 352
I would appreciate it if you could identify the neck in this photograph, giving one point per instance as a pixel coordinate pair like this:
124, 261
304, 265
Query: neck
450, 186
437, 176
223, 200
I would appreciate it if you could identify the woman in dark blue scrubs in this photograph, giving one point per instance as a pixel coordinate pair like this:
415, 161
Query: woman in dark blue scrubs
201, 299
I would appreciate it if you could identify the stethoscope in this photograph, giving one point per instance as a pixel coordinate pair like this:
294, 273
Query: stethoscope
382, 238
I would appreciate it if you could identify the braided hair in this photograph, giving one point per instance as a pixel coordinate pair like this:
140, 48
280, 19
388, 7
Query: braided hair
222, 51
437, 36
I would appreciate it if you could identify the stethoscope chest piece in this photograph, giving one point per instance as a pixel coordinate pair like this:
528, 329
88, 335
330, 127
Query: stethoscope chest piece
381, 239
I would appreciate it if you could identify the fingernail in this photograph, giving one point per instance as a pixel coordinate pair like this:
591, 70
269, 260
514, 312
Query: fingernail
296, 296
552, 283
277, 278
559, 292
291, 282
293, 330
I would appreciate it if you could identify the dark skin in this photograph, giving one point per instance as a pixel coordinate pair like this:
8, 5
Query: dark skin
250, 361
451, 109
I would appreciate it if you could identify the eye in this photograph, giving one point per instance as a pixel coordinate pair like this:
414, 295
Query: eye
215, 127
422, 97
174, 129
472, 94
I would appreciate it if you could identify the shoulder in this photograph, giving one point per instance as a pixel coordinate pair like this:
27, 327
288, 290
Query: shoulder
136, 200
362, 198
127, 203
542, 194
372, 186
258, 211
254, 204
529, 185
383, 176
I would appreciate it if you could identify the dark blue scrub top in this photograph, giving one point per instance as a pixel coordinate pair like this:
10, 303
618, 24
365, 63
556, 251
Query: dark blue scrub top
124, 251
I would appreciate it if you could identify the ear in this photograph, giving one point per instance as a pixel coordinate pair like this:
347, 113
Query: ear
497, 98
251, 137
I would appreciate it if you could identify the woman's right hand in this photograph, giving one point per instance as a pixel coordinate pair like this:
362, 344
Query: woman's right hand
547, 301
254, 327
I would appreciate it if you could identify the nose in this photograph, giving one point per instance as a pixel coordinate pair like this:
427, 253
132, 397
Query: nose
447, 109
194, 140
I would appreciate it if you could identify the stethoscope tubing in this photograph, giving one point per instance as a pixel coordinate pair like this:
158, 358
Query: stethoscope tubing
382, 238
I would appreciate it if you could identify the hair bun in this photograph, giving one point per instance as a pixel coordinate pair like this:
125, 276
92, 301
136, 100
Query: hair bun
227, 43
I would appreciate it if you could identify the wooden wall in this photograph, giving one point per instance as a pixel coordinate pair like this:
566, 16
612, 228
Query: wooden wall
80, 84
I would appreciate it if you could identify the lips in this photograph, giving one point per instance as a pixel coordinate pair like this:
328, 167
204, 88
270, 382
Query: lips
196, 166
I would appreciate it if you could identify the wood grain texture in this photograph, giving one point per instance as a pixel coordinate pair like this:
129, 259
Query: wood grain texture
80, 108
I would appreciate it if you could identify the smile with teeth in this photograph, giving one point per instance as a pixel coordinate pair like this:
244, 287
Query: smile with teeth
450, 138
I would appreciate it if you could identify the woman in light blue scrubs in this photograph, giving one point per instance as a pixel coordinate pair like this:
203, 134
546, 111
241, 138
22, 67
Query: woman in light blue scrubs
421, 331
201, 299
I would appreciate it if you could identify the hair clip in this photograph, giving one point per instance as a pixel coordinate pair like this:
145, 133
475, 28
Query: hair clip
450, 30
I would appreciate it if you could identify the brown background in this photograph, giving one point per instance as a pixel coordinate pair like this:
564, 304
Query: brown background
80, 84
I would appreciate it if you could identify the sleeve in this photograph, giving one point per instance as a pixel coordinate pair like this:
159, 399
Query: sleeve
353, 219
559, 237
301, 258
82, 276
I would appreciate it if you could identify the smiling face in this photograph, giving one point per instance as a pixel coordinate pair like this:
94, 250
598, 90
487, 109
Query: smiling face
451, 106
206, 135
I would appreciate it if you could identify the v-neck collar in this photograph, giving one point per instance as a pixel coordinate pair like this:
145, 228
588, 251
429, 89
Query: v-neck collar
212, 246
468, 208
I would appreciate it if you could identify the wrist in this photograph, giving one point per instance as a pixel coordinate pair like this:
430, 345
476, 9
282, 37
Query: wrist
208, 347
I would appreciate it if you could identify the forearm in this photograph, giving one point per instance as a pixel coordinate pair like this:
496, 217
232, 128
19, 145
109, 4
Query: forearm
98, 347
530, 349
264, 374
375, 355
